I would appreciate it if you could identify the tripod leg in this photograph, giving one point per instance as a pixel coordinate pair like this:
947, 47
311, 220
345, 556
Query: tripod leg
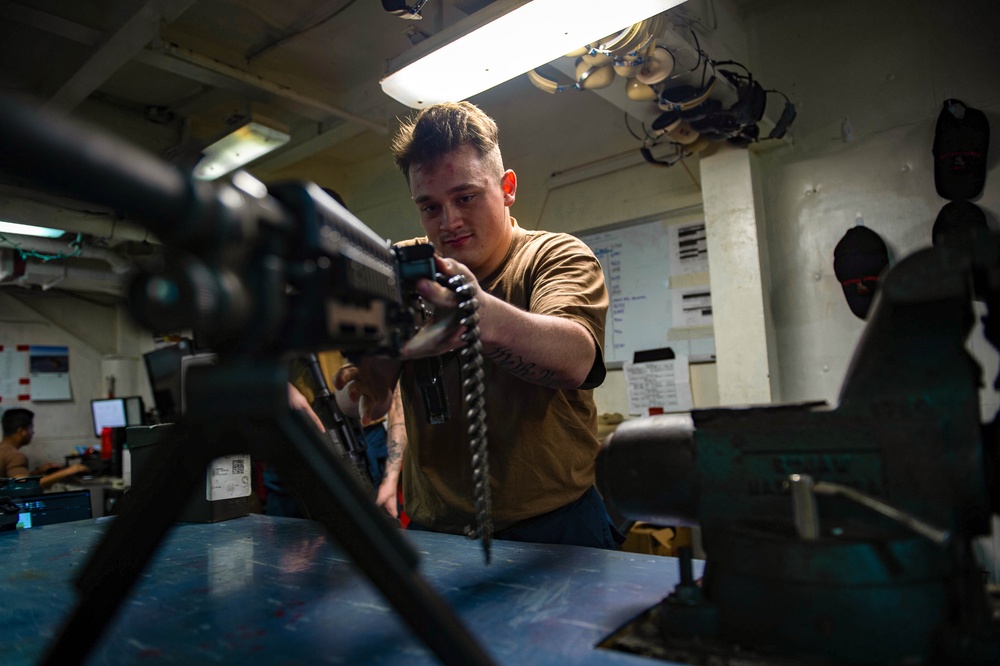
369, 538
130, 543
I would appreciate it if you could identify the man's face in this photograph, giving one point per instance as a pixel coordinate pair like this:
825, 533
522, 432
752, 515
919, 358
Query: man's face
27, 434
463, 208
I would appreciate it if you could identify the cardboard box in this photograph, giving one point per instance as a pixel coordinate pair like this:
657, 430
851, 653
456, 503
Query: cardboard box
651, 539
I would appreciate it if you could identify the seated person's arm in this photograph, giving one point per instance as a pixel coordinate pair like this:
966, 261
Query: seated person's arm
61, 474
44, 468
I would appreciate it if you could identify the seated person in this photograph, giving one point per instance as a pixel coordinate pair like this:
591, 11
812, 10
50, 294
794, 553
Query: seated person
18, 430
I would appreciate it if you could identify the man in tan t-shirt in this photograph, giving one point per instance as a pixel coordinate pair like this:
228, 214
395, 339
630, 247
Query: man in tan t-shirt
542, 306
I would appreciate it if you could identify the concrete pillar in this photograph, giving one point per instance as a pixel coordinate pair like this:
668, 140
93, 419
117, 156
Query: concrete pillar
746, 361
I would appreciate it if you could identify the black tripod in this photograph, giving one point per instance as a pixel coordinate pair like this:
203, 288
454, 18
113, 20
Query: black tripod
234, 408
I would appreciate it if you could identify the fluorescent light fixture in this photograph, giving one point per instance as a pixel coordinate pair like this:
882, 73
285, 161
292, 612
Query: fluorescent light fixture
29, 230
242, 146
503, 40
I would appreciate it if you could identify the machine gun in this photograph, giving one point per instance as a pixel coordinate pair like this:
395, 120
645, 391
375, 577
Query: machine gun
836, 535
259, 273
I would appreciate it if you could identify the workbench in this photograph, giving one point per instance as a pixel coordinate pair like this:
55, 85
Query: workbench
266, 590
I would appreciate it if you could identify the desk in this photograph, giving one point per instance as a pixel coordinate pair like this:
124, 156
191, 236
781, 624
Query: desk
266, 590
105, 491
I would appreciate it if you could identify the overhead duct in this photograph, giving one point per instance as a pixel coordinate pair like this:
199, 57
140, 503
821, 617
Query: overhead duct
55, 247
19, 272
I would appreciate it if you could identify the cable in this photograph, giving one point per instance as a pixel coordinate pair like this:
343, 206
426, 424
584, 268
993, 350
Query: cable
34, 254
284, 38
628, 126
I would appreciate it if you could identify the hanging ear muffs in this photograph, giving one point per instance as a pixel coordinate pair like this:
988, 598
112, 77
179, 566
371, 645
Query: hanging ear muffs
656, 67
593, 77
627, 66
640, 92
684, 97
745, 136
698, 145
666, 121
785, 121
546, 84
647, 155
705, 109
596, 58
738, 123
683, 133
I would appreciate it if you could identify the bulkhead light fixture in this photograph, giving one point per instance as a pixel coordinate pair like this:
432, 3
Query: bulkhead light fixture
29, 230
243, 145
504, 39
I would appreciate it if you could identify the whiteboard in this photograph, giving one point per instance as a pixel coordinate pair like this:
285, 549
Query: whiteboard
656, 272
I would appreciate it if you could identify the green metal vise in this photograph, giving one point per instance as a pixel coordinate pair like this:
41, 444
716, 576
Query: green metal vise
837, 535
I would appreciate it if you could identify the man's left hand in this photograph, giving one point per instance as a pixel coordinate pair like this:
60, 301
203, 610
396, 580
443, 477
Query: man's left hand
443, 334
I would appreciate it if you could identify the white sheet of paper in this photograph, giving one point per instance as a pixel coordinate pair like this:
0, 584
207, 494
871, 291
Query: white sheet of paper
688, 249
13, 374
691, 306
662, 385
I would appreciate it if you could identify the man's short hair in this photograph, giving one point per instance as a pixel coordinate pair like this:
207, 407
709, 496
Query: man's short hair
15, 418
443, 128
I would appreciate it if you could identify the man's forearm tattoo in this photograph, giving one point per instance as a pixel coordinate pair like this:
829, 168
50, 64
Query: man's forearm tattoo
394, 447
517, 366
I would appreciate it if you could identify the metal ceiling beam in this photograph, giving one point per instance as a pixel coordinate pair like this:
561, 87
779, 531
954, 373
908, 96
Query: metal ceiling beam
220, 68
121, 47
75, 32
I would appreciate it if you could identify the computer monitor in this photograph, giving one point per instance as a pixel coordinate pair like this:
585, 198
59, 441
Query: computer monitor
163, 368
117, 413
52, 508
188, 362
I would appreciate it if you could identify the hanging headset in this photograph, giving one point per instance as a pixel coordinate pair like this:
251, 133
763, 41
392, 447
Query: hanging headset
739, 123
402, 10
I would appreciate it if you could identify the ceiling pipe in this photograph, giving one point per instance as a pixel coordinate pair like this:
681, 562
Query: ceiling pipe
54, 246
45, 277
